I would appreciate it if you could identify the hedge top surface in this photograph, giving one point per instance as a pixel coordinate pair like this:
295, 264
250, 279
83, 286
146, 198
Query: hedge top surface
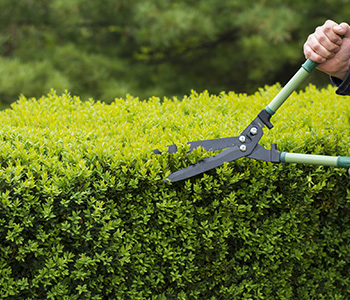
130, 128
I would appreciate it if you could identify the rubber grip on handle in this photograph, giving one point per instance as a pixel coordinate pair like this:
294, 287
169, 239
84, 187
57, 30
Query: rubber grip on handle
309, 65
343, 162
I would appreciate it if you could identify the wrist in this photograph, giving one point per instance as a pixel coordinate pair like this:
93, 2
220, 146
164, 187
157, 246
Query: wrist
341, 75
342, 72
342, 84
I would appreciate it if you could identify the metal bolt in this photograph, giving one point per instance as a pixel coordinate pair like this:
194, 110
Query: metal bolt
242, 138
243, 148
254, 131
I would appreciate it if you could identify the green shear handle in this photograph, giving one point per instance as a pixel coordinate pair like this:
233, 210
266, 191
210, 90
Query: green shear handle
324, 160
246, 144
293, 83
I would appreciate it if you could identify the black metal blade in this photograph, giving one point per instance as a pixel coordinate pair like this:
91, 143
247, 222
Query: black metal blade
215, 144
208, 145
206, 164
246, 145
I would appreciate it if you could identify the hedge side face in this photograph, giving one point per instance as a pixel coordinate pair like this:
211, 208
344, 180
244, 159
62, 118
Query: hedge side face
84, 213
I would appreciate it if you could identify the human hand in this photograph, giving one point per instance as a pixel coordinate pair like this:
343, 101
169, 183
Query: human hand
326, 47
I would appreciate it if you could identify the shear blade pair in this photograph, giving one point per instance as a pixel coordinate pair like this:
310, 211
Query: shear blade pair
246, 145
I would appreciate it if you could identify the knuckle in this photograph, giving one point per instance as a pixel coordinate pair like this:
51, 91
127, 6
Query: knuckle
316, 47
319, 29
329, 23
307, 53
334, 48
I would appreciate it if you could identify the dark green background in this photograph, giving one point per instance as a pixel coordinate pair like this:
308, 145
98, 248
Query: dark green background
106, 49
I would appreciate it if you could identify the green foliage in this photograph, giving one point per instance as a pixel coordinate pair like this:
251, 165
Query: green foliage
106, 49
84, 213
14, 78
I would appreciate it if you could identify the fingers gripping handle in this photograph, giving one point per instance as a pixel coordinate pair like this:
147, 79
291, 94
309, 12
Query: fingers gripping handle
290, 87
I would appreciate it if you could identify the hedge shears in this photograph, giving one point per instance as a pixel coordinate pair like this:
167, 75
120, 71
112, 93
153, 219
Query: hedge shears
246, 144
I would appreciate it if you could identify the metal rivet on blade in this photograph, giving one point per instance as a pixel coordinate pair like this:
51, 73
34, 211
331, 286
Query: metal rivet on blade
254, 131
243, 148
242, 138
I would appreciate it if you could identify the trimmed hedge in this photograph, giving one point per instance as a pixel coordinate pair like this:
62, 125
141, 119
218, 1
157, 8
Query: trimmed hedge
84, 213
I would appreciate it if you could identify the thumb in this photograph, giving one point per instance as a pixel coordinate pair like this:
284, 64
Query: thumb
342, 29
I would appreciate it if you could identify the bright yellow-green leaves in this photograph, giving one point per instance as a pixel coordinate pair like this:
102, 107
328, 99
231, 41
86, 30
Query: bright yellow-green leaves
84, 213
130, 128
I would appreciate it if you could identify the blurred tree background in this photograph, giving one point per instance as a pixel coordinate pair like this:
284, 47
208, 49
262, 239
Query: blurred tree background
106, 49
